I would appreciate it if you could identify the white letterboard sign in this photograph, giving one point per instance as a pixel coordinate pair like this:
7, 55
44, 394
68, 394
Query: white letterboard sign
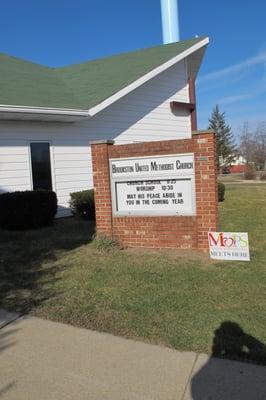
155, 185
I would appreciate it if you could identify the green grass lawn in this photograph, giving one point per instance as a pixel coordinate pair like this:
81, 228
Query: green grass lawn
176, 299
239, 178
229, 178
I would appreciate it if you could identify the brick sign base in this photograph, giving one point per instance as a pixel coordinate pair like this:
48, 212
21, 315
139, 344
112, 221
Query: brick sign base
176, 232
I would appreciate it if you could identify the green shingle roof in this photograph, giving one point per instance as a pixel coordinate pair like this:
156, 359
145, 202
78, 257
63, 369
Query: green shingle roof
79, 86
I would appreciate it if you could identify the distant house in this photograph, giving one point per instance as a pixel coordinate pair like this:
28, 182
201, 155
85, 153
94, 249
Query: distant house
239, 165
48, 116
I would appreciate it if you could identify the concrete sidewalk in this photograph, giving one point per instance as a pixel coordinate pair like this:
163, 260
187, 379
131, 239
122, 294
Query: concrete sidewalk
46, 360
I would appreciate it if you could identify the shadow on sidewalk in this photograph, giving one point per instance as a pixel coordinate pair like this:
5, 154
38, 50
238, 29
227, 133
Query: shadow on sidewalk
4, 389
5, 338
224, 379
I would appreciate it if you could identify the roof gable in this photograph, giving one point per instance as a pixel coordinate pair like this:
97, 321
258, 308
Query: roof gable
80, 86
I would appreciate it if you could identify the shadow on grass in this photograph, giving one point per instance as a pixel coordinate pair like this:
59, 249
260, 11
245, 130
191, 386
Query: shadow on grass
28, 270
224, 379
230, 341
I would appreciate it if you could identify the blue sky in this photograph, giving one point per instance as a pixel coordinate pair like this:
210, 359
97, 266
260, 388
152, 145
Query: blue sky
233, 74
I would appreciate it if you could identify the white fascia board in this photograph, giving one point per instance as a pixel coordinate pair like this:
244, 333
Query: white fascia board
134, 85
43, 110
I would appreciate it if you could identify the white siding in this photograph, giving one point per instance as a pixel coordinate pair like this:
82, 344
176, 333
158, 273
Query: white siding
14, 168
142, 115
145, 113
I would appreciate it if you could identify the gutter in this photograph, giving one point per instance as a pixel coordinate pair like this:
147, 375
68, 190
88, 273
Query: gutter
71, 112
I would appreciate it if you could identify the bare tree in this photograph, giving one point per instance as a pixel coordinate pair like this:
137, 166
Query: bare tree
246, 147
253, 144
260, 145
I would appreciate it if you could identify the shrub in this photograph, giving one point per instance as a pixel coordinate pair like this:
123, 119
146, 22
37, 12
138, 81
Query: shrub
105, 244
221, 191
82, 204
250, 174
263, 176
27, 209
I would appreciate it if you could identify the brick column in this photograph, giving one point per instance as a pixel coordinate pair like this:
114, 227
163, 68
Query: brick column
206, 186
102, 188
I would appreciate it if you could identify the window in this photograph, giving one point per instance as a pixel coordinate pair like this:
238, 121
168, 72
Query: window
41, 166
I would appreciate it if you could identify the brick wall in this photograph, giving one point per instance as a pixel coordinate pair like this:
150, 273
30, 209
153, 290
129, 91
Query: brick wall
165, 231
